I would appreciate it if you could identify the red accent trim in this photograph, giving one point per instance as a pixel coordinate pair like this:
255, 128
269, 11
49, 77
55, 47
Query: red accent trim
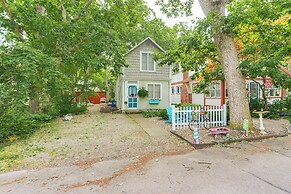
222, 89
282, 93
176, 83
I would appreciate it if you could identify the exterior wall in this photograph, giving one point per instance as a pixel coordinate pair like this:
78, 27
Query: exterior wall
259, 92
132, 72
176, 97
176, 82
198, 99
118, 91
143, 103
213, 102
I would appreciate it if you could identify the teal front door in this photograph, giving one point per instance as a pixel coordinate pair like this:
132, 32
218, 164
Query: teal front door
132, 97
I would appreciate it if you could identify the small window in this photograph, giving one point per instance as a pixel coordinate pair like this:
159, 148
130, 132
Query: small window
172, 90
179, 89
147, 62
273, 91
154, 91
214, 91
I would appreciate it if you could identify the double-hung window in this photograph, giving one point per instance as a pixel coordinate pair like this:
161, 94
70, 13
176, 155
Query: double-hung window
273, 91
214, 91
154, 91
147, 62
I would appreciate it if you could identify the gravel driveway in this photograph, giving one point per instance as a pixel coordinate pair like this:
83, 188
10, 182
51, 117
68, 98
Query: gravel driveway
95, 137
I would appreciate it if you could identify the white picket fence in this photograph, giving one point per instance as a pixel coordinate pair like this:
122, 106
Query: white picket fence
181, 116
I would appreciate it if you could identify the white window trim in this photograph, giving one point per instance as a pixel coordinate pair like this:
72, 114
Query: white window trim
160, 89
268, 91
140, 62
216, 96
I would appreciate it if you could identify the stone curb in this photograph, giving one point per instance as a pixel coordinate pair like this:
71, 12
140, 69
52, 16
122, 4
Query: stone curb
204, 145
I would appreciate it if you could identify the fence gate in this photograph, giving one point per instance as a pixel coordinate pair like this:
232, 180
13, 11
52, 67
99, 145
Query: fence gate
181, 116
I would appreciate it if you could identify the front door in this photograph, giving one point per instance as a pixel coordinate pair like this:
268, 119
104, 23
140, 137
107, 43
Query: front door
132, 97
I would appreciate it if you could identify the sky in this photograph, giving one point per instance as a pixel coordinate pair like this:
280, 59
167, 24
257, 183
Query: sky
196, 11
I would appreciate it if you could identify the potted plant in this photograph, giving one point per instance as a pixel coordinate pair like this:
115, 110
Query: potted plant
142, 93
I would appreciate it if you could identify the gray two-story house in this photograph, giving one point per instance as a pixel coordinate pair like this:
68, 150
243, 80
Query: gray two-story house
143, 72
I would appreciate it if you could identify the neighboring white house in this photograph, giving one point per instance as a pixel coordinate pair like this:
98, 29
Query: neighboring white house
143, 71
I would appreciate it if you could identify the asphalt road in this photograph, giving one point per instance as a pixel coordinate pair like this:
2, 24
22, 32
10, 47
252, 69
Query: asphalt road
258, 167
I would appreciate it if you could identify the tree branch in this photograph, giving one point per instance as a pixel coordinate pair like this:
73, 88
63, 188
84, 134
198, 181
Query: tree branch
85, 6
10, 16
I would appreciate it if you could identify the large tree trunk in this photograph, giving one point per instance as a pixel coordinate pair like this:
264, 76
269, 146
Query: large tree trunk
237, 95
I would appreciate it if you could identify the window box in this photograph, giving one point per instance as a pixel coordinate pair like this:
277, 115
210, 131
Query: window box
154, 101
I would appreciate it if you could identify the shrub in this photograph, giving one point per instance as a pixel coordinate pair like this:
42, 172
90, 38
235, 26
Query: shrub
16, 121
163, 114
276, 109
256, 104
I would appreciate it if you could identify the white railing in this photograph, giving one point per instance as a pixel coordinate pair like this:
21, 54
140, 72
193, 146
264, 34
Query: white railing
181, 116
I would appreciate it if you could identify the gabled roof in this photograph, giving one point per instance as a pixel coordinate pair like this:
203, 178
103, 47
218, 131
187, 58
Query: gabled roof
148, 38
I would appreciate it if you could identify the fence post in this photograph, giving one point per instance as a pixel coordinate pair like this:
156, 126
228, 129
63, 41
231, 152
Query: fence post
224, 114
173, 118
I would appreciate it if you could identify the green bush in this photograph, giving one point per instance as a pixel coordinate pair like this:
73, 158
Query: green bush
155, 113
163, 114
256, 104
16, 121
66, 105
277, 109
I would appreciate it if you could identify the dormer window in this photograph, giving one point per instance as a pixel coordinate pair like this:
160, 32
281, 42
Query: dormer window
147, 62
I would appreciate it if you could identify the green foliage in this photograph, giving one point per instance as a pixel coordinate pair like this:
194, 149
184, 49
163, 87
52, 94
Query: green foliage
41, 67
143, 93
163, 114
278, 108
13, 123
155, 113
261, 29
256, 104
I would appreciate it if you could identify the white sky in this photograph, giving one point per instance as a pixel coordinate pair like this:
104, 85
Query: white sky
196, 11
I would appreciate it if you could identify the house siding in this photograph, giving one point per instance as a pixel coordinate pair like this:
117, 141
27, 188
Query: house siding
132, 72
165, 98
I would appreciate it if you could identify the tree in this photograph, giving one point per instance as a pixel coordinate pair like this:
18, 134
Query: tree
70, 41
215, 11
261, 38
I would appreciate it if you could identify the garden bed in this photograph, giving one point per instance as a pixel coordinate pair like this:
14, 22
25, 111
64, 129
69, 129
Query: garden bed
274, 128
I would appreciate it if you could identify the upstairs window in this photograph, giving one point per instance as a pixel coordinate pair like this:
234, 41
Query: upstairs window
147, 62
